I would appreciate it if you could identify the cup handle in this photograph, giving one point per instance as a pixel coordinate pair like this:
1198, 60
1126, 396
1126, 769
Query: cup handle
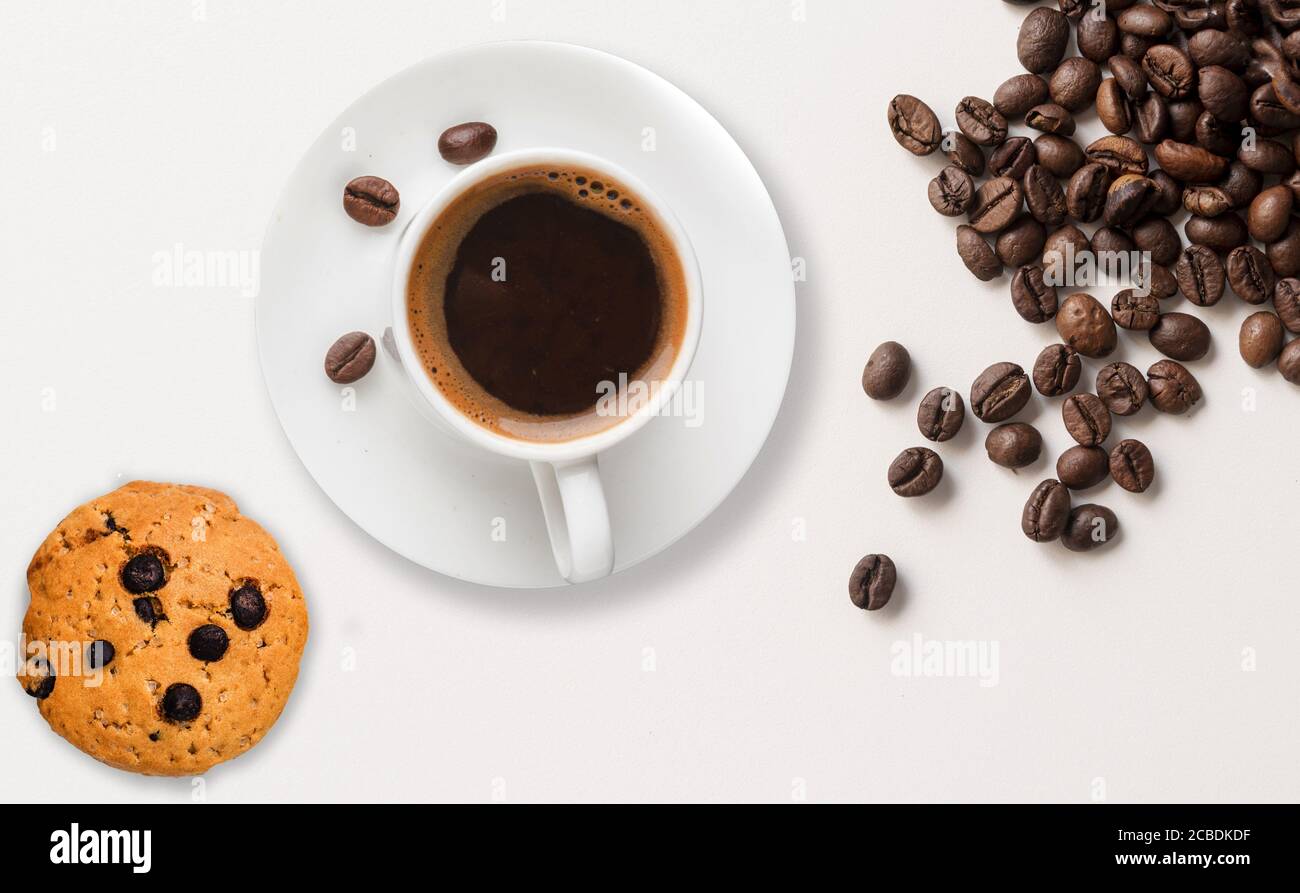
577, 518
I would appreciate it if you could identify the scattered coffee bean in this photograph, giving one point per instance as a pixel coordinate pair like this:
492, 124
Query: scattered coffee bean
467, 143
371, 200
1044, 197
1122, 388
1059, 155
1119, 154
350, 358
976, 253
1251, 275
1134, 311
887, 371
1021, 242
1001, 391
1286, 301
1221, 234
952, 192
1261, 339
181, 702
1288, 362
1047, 512
997, 204
915, 472
1032, 297
1015, 445
208, 643
1083, 467
872, 582
1057, 370
1090, 527
980, 121
1049, 117
1174, 390
1086, 419
1086, 326
963, 153
1180, 336
915, 125
1013, 158
1043, 40
1074, 84
1131, 466
1200, 276
1270, 212
941, 414
1019, 94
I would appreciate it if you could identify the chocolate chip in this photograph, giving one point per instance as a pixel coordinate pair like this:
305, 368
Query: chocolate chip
155, 735
143, 573
181, 702
371, 200
872, 582
247, 606
208, 643
467, 143
100, 653
149, 609
39, 678
350, 358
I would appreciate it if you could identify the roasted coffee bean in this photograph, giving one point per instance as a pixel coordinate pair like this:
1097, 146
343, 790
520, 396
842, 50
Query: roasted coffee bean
941, 415
1120, 154
1159, 281
467, 143
976, 253
99, 654
1261, 339
1170, 70
1211, 47
1151, 121
1114, 108
1286, 301
1032, 297
208, 643
997, 204
1270, 213
1064, 251
1131, 466
1090, 527
1251, 275
1013, 158
1043, 39
350, 358
1081, 467
980, 121
38, 677
1180, 336
1019, 94
247, 606
1097, 37
1130, 77
1183, 115
1267, 157
872, 582
915, 125
1128, 200
1145, 21
1284, 254
962, 152
1200, 275
1060, 155
1086, 326
1046, 512
1207, 201
1191, 164
915, 472
181, 702
143, 573
372, 201
1074, 84
1086, 419
1021, 242
1134, 311
1223, 93
1288, 362
1157, 237
1111, 240
1267, 111
1051, 118
1134, 47
1122, 388
1057, 370
952, 192
1001, 391
1085, 197
1222, 234
1241, 184
1174, 390
1170, 197
1014, 446
1218, 136
887, 372
1044, 197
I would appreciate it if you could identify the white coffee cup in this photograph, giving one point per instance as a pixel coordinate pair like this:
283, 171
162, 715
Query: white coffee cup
567, 472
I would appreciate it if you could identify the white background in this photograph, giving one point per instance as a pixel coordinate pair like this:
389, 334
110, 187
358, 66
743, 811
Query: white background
1125, 672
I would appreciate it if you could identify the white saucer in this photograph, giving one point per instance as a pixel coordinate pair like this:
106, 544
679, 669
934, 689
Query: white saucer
432, 499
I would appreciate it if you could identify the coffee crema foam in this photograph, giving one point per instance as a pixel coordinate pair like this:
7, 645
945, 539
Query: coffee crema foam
436, 257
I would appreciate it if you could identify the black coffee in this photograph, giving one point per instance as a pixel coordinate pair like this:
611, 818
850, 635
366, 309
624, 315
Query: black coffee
540, 293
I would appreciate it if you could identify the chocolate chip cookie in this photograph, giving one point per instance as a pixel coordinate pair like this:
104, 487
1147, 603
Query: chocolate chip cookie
164, 630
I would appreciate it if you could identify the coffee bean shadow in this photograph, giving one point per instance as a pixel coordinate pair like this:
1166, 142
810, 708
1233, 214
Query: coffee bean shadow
893, 613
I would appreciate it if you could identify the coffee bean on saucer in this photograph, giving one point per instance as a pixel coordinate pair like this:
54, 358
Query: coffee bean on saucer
976, 253
208, 643
1001, 391
350, 358
872, 582
1200, 276
181, 702
1014, 445
1135, 311
1046, 512
1288, 362
1034, 299
1081, 467
1057, 370
1122, 388
887, 371
1180, 336
1261, 339
1090, 527
941, 414
1086, 418
467, 143
1086, 326
143, 573
1131, 466
915, 472
952, 192
371, 200
1251, 275
914, 125
1174, 390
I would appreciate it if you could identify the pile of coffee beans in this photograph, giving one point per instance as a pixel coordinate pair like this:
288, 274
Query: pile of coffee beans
1201, 99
